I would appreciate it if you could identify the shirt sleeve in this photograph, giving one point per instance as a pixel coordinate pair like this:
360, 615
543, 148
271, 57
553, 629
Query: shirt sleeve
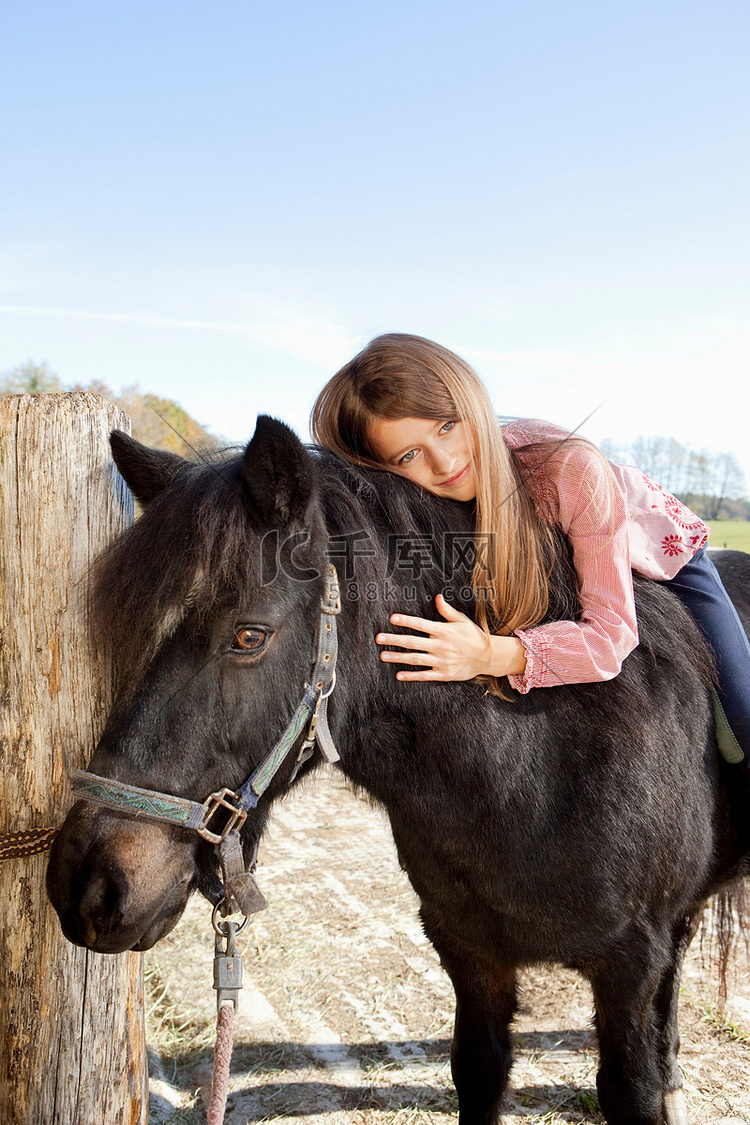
593, 516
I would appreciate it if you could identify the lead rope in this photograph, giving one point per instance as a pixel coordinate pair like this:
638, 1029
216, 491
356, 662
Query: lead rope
227, 982
16, 845
222, 1058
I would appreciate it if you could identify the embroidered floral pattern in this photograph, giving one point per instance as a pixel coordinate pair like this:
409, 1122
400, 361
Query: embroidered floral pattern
679, 512
672, 545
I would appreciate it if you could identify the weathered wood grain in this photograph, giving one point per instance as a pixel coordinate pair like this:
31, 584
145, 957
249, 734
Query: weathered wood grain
72, 1049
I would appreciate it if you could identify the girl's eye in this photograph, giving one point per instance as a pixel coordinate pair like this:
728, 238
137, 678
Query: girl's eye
407, 457
249, 639
446, 429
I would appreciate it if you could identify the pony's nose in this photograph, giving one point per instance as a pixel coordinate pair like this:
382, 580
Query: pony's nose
92, 902
102, 909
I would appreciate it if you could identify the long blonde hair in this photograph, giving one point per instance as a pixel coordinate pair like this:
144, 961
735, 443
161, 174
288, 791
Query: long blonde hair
402, 376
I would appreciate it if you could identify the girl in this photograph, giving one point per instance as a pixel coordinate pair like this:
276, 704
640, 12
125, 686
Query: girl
410, 406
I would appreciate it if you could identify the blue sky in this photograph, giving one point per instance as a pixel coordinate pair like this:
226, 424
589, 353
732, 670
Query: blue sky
223, 202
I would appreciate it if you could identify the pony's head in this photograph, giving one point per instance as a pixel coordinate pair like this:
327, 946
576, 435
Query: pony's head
213, 641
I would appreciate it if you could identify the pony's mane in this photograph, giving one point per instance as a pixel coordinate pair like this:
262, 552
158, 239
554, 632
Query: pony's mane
196, 545
188, 550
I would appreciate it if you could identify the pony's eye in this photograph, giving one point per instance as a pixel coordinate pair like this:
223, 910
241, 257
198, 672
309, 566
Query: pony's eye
249, 639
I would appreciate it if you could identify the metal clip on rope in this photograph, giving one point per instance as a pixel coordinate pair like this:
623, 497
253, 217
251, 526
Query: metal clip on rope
227, 962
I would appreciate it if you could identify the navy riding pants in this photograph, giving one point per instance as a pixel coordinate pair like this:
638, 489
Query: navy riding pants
700, 589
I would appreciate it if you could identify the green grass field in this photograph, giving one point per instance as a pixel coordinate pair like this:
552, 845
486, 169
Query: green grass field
734, 534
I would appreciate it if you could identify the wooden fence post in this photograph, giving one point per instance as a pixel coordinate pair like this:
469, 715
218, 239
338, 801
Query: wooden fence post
72, 1045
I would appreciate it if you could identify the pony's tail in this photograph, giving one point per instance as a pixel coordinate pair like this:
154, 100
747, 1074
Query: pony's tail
726, 924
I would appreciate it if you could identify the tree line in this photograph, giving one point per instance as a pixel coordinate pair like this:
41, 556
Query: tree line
159, 422
711, 484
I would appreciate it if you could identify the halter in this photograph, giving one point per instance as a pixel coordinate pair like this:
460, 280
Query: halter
241, 892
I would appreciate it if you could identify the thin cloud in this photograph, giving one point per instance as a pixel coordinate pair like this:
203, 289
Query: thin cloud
310, 338
550, 359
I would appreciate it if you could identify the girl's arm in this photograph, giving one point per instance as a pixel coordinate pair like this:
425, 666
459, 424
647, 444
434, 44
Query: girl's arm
590, 508
591, 511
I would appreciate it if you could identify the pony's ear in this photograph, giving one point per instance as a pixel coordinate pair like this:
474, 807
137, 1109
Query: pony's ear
147, 472
278, 473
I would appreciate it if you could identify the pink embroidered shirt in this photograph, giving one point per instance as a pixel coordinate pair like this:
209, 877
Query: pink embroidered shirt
614, 526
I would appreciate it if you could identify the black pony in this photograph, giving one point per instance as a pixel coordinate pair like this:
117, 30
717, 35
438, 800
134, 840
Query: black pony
584, 825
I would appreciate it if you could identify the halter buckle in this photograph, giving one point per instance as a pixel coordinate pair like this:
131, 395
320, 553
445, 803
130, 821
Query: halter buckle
221, 800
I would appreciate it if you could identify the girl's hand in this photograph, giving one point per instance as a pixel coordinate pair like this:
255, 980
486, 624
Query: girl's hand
454, 650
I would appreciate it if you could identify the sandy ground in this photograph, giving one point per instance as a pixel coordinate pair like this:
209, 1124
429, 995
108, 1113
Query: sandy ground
346, 1015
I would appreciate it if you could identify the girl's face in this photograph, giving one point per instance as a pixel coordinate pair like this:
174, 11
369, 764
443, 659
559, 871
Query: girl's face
435, 454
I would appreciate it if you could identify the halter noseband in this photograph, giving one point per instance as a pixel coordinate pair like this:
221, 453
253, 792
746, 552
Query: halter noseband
241, 892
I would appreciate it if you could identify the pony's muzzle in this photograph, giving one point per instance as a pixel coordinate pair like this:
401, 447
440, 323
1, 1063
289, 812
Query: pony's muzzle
118, 884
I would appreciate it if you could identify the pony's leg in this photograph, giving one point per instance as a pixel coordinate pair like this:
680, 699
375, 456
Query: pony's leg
665, 1021
482, 1049
630, 1082
481, 1054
